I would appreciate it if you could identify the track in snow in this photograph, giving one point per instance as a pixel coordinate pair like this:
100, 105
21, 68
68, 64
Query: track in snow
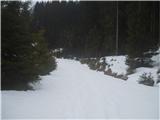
74, 91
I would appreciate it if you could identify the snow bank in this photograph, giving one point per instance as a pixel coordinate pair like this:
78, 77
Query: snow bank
139, 71
117, 64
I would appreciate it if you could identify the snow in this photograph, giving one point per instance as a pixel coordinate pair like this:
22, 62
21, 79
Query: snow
75, 91
58, 50
139, 71
117, 64
156, 59
34, 44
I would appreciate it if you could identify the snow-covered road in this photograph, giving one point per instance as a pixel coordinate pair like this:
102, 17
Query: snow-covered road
75, 91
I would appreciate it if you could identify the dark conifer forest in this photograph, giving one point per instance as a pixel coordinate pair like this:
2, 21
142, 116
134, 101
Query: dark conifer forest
83, 29
89, 29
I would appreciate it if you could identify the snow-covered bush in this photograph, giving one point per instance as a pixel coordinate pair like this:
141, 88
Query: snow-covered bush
108, 72
58, 52
101, 65
134, 63
158, 72
146, 79
84, 60
158, 80
76, 58
123, 77
93, 64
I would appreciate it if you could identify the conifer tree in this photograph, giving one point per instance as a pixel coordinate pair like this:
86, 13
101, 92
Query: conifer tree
42, 58
18, 61
139, 29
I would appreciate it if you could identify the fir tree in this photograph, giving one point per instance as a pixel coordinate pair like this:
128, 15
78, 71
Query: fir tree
18, 61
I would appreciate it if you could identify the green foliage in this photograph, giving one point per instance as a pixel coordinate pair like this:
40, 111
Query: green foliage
16, 46
108, 72
123, 77
158, 73
19, 57
108, 23
88, 29
140, 28
134, 63
158, 80
146, 79
84, 60
101, 66
95, 64
93, 42
42, 57
92, 64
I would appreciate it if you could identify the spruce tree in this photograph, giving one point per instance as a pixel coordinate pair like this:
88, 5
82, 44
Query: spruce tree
140, 40
139, 29
18, 68
16, 45
43, 59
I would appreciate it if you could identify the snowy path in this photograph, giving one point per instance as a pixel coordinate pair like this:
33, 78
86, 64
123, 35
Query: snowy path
74, 91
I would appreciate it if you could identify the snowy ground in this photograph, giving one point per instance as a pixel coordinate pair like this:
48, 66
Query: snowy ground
75, 91
117, 64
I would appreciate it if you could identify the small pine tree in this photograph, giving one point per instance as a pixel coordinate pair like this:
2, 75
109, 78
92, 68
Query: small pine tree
42, 57
146, 79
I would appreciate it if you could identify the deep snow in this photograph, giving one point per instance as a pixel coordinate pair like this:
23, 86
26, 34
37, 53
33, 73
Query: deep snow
75, 91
